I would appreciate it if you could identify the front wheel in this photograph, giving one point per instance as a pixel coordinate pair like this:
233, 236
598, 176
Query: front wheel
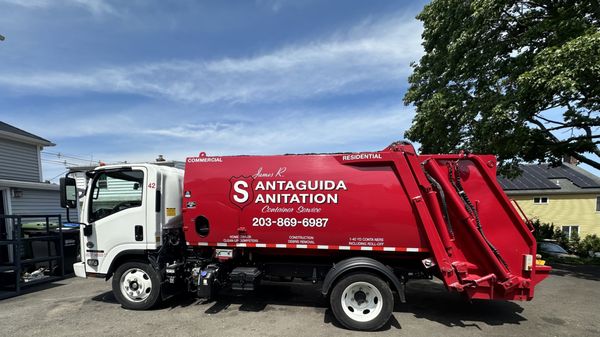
136, 286
362, 301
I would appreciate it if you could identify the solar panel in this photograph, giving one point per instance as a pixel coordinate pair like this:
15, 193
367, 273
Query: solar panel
539, 177
577, 178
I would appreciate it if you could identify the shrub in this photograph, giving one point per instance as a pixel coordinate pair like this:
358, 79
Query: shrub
583, 247
589, 245
542, 230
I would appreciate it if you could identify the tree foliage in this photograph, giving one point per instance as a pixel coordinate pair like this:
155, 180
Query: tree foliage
520, 79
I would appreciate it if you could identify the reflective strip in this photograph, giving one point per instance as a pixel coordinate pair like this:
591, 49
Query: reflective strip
305, 246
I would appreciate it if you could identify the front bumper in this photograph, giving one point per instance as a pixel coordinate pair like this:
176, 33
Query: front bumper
79, 269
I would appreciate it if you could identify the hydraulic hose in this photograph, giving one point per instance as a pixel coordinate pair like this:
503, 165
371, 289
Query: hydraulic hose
454, 178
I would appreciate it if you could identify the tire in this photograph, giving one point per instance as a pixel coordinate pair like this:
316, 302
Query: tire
362, 301
136, 286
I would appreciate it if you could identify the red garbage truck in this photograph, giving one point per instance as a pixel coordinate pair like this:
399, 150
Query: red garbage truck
357, 225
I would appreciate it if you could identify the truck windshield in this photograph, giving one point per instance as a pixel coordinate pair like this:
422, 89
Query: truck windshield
115, 191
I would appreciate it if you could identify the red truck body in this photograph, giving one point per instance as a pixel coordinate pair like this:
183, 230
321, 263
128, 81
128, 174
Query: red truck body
445, 211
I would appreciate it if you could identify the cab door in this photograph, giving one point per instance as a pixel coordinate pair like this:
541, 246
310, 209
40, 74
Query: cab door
116, 212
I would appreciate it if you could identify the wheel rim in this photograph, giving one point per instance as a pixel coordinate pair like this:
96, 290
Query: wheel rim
362, 301
136, 285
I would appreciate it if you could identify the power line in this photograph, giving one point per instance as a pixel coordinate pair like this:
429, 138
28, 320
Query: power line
70, 156
64, 162
60, 174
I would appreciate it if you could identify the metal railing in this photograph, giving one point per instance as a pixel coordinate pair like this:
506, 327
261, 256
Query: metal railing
15, 259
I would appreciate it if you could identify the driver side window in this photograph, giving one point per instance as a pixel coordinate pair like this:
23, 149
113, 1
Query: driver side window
113, 192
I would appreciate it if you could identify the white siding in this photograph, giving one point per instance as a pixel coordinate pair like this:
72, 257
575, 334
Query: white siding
35, 202
118, 189
19, 161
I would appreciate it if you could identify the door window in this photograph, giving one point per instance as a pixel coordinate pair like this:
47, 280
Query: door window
115, 191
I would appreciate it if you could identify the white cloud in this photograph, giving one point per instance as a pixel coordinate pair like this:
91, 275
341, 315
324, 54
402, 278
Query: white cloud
141, 133
371, 56
96, 7
292, 131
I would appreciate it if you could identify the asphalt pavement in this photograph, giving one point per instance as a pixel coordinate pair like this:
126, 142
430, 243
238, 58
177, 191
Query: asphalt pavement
566, 304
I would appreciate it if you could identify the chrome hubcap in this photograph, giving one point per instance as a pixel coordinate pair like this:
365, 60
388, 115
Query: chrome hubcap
136, 285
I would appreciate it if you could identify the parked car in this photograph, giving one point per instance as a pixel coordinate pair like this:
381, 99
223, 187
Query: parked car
552, 249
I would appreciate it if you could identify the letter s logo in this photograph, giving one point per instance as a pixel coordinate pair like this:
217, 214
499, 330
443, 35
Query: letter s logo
242, 195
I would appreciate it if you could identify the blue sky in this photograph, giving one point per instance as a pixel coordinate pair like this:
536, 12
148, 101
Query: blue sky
128, 80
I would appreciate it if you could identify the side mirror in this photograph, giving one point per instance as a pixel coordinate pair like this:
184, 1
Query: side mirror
68, 193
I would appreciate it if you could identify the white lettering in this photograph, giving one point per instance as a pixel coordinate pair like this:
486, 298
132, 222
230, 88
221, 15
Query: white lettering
242, 195
205, 160
281, 171
362, 156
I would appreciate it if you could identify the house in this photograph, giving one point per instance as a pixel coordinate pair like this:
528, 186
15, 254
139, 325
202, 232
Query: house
566, 196
22, 190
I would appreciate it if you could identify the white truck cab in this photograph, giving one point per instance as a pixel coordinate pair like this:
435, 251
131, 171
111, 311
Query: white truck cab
124, 210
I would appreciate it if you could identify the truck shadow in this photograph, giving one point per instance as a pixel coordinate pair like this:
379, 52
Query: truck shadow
587, 272
293, 294
431, 301
425, 299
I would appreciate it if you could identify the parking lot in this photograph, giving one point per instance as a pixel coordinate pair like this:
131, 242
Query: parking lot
566, 304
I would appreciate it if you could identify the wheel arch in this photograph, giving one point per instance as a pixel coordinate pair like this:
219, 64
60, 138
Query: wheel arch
126, 256
367, 264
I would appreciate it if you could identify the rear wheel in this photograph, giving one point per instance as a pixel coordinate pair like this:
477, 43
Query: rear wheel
136, 286
362, 301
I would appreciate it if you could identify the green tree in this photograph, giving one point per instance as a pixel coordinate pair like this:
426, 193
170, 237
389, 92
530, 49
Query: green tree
561, 238
541, 230
590, 244
520, 79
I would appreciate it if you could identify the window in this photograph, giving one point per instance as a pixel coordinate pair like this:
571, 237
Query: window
570, 230
113, 192
597, 204
540, 200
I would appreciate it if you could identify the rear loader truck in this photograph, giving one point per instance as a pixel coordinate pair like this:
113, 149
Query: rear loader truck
357, 225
